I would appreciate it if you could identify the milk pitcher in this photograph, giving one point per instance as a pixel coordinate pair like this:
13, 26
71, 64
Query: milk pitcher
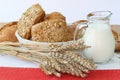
98, 36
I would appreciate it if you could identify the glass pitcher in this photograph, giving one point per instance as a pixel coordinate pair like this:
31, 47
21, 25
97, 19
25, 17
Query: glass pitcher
98, 36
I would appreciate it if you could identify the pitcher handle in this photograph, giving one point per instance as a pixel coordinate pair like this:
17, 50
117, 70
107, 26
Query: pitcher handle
79, 26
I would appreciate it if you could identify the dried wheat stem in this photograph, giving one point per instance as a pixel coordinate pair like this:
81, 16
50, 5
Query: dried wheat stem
79, 44
43, 67
69, 61
68, 55
57, 59
39, 59
73, 45
43, 60
29, 46
49, 70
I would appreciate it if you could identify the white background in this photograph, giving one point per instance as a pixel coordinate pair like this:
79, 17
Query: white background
11, 10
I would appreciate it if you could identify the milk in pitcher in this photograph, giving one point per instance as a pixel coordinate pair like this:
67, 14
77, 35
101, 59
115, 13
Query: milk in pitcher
101, 41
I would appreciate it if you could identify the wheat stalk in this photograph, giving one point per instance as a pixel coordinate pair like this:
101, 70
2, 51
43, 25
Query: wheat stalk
57, 59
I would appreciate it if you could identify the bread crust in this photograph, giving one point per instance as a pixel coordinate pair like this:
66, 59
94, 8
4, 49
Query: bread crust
54, 30
115, 35
31, 16
7, 32
71, 29
54, 15
117, 46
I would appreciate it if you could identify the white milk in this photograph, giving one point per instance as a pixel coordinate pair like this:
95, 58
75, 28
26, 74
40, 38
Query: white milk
101, 40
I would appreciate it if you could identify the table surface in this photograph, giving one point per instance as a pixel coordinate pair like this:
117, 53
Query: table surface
10, 61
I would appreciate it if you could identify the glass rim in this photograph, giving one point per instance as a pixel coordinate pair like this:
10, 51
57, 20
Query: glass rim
99, 14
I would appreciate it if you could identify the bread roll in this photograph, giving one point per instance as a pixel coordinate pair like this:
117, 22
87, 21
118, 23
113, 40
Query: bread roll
54, 30
31, 16
7, 32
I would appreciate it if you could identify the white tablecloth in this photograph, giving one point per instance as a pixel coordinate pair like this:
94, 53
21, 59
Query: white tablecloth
10, 61
114, 63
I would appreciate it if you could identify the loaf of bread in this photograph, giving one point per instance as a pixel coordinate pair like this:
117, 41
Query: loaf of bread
31, 16
7, 32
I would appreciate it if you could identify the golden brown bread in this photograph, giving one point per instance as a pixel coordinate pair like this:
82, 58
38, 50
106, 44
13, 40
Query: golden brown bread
71, 29
31, 16
54, 30
7, 32
117, 43
54, 15
116, 33
117, 46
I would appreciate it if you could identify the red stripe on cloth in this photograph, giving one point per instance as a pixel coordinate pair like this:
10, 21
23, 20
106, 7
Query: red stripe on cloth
7, 73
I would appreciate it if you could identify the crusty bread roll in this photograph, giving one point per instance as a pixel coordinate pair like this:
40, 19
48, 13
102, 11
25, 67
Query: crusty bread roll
54, 30
31, 16
7, 32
